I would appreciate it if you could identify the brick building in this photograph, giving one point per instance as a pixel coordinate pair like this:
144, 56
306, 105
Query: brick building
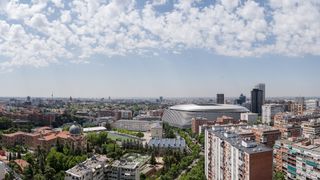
45, 138
229, 156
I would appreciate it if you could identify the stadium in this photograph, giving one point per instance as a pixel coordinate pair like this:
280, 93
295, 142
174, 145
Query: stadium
181, 115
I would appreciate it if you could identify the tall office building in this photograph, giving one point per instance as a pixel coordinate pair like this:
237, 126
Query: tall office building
256, 101
220, 98
262, 87
230, 156
241, 100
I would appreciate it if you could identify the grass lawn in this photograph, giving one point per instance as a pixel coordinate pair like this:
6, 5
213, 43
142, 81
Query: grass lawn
117, 137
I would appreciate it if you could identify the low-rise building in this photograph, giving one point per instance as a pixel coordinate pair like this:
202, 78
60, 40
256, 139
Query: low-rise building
199, 121
134, 125
45, 138
93, 168
311, 128
226, 120
127, 168
168, 143
94, 129
156, 130
249, 118
126, 114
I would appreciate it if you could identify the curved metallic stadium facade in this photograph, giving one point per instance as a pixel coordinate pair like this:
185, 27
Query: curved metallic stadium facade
181, 115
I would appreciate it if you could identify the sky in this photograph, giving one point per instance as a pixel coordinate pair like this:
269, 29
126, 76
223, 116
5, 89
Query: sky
170, 48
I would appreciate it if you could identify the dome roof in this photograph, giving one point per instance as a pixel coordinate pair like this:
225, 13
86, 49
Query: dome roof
75, 130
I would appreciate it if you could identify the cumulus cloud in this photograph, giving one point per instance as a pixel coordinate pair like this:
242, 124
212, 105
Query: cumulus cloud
43, 32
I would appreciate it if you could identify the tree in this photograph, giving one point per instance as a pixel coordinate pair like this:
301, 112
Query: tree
5, 123
59, 176
19, 155
279, 176
108, 126
28, 172
143, 176
140, 135
39, 177
49, 173
9, 176
153, 160
102, 138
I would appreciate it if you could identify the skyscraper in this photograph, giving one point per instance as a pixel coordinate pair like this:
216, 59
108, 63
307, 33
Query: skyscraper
220, 98
256, 101
262, 87
242, 99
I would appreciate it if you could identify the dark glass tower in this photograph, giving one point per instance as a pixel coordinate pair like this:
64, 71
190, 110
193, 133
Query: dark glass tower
256, 101
220, 98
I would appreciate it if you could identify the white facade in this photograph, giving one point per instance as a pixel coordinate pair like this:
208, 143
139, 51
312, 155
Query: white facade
134, 125
269, 110
127, 168
250, 118
181, 115
91, 169
312, 104
311, 128
156, 130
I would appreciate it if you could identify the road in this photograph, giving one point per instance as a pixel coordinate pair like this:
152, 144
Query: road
194, 162
188, 168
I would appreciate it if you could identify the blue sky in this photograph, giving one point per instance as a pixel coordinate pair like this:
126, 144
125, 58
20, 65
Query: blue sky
159, 48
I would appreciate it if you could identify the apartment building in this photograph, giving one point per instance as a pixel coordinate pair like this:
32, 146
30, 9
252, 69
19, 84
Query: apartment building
269, 111
92, 169
266, 134
290, 130
127, 168
249, 118
311, 128
229, 156
298, 159
199, 121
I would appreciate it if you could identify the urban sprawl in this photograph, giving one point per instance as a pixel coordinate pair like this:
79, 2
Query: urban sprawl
220, 138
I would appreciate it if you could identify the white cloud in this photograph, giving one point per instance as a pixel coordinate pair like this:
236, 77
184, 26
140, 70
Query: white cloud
65, 17
158, 2
83, 28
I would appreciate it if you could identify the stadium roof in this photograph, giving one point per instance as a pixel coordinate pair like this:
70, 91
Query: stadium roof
208, 107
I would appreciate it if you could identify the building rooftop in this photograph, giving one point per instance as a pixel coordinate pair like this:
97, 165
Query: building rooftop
156, 125
249, 147
168, 142
99, 128
209, 107
131, 161
90, 165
